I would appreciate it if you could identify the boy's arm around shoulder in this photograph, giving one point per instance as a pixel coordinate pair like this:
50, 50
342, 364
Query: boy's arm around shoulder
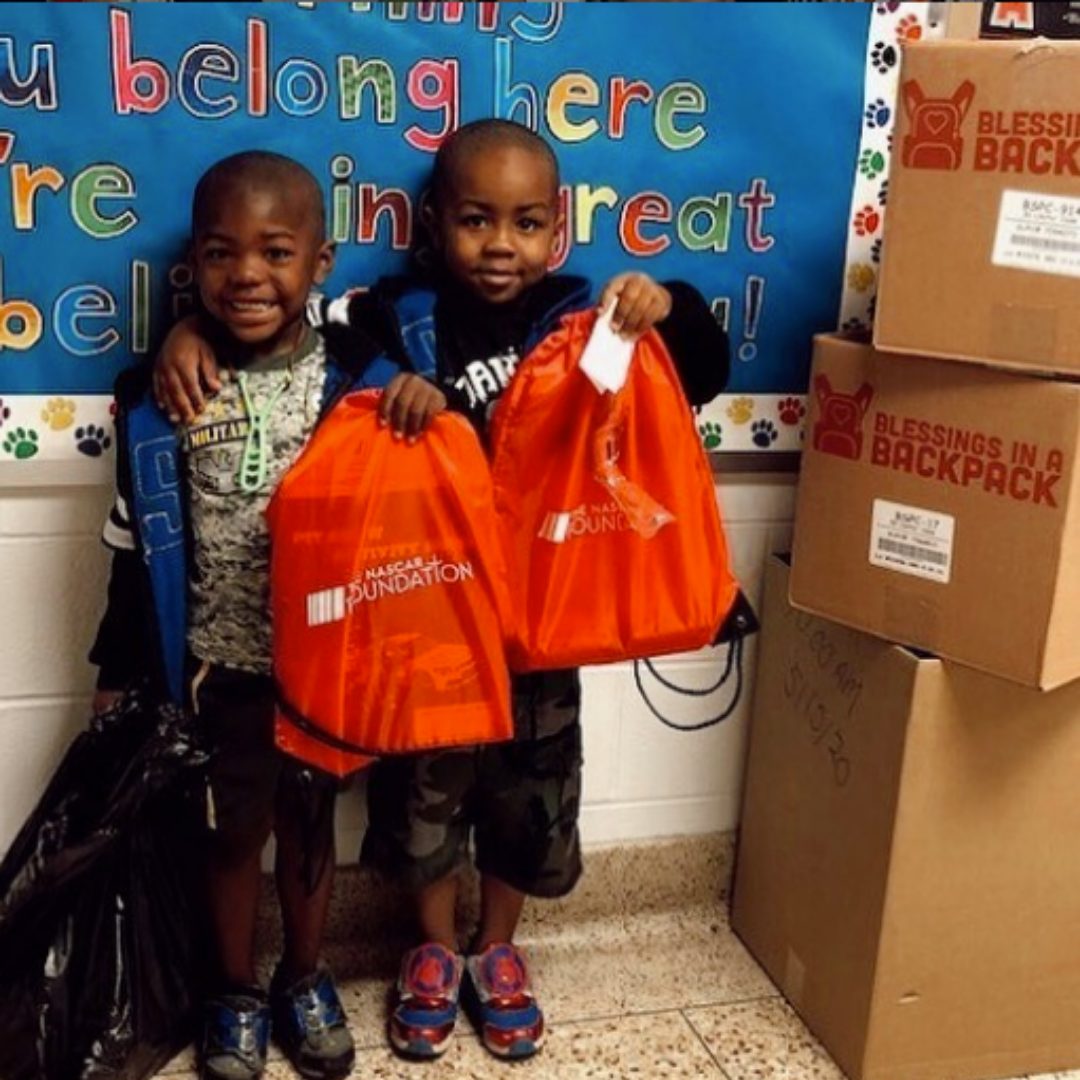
697, 343
362, 326
354, 328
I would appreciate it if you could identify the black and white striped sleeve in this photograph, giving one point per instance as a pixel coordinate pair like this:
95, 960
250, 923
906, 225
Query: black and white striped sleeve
352, 308
354, 326
118, 534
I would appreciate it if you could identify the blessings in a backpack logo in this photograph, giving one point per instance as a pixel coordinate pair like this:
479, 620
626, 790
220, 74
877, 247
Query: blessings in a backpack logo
947, 453
1028, 141
838, 429
1039, 142
933, 140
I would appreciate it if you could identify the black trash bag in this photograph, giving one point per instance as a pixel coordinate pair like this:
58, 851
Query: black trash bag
99, 935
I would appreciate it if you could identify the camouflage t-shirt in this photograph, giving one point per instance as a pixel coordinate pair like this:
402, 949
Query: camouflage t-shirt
229, 617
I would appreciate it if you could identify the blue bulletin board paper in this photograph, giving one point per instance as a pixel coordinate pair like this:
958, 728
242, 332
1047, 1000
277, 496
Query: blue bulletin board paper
713, 143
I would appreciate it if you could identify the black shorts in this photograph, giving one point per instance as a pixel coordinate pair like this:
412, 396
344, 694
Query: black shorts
247, 776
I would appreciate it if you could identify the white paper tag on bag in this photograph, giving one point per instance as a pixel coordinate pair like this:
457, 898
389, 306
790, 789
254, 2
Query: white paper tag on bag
606, 359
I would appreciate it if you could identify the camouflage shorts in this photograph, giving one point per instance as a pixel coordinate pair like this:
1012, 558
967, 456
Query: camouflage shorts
518, 800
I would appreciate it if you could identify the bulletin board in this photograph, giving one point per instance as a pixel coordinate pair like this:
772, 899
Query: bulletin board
712, 143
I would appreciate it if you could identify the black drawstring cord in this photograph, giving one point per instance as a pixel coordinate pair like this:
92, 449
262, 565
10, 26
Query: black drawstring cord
734, 661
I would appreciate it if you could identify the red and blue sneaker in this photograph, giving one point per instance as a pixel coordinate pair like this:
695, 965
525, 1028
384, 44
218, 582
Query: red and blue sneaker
425, 1013
501, 1001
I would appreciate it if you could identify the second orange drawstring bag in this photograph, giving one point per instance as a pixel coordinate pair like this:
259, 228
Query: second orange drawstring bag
614, 542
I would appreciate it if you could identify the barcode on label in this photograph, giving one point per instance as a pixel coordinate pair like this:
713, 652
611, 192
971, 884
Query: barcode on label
1038, 233
1046, 243
912, 540
913, 551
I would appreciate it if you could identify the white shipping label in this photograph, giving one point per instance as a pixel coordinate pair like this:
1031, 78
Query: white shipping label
1038, 232
912, 540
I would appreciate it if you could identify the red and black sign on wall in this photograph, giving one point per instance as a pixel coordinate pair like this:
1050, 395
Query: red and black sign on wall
1050, 20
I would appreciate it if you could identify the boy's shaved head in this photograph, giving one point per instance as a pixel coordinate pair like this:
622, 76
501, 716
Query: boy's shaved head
258, 170
478, 137
493, 212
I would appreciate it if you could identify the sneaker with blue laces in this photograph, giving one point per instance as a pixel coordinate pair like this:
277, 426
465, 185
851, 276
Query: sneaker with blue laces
425, 1012
236, 1034
310, 1026
501, 1002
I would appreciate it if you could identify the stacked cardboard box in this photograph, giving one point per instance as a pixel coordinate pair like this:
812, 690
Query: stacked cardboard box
939, 506
982, 253
906, 869
938, 501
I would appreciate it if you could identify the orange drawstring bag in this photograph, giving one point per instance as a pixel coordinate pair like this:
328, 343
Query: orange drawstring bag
387, 593
615, 548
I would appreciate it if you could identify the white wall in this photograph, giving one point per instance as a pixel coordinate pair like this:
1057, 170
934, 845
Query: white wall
641, 779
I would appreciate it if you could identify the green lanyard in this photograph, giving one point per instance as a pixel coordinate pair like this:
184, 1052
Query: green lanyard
251, 476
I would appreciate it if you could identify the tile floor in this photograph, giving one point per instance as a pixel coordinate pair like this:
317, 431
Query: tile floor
639, 973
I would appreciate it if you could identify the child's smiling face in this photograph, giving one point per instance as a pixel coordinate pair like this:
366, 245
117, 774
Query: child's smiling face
496, 221
255, 259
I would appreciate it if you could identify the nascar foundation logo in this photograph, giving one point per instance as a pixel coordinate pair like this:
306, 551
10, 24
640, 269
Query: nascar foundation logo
387, 579
559, 526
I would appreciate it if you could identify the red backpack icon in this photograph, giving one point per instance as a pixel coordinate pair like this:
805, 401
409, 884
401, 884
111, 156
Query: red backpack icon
838, 430
933, 140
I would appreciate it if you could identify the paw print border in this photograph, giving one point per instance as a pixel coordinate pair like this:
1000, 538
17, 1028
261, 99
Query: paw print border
54, 419
774, 423
890, 25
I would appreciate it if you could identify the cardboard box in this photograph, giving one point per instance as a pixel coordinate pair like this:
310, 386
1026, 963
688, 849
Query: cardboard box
939, 506
982, 230
907, 869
